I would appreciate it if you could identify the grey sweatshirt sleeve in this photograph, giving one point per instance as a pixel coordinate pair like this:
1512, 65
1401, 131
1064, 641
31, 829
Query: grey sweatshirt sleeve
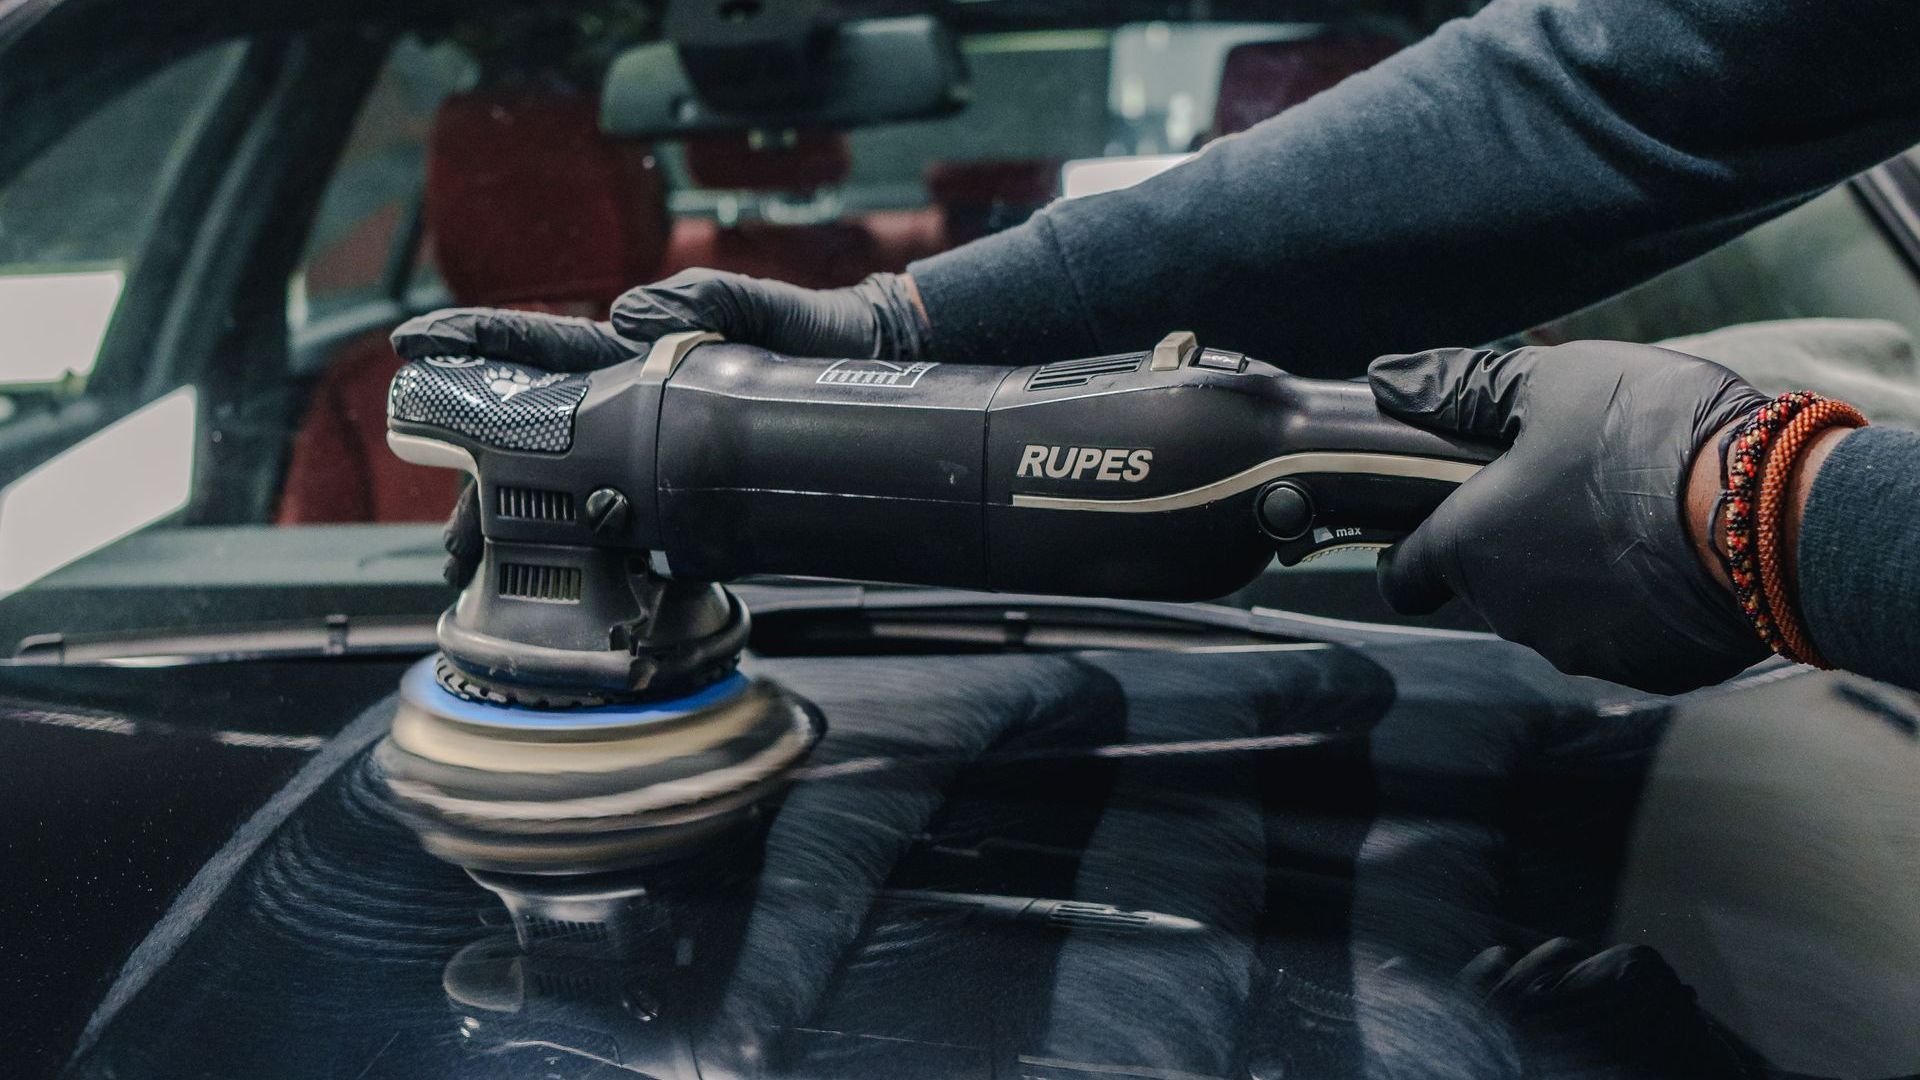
1859, 556
1537, 157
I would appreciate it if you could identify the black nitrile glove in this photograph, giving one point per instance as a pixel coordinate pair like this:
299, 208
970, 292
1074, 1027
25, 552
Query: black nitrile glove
1577, 1012
876, 319
462, 537
1574, 541
550, 342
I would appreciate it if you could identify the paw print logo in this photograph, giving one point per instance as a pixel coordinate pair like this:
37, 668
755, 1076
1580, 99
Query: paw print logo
508, 383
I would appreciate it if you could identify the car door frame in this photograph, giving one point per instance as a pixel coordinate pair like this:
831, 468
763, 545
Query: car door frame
204, 298
225, 328
69, 97
1890, 192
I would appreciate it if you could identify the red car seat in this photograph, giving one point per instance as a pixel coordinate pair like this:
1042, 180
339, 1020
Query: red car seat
817, 256
528, 206
1265, 78
980, 197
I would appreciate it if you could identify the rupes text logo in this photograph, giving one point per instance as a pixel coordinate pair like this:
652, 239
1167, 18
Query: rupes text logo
1084, 463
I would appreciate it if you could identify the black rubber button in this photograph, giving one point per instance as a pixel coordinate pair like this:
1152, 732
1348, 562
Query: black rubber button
1286, 511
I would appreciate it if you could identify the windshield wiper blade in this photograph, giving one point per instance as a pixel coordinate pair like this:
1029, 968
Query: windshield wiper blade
767, 596
333, 635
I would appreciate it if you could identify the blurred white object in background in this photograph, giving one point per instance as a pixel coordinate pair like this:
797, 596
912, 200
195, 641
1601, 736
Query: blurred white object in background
1092, 176
51, 324
117, 481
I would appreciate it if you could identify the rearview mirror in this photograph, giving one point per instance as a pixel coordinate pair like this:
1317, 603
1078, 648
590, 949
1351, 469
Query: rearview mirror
848, 75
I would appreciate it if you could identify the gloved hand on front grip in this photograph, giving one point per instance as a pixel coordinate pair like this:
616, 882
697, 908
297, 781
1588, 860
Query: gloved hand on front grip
877, 319
1575, 542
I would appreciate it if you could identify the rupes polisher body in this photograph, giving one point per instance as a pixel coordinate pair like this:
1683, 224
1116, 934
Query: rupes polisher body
586, 700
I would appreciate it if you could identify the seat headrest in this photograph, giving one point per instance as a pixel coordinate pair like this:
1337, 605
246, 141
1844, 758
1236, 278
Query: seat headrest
739, 161
1261, 79
980, 183
527, 202
980, 197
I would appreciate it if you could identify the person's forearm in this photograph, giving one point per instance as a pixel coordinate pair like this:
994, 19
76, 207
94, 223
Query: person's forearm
1540, 156
1858, 555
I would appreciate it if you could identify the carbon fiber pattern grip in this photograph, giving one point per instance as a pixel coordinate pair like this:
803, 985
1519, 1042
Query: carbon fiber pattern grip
505, 406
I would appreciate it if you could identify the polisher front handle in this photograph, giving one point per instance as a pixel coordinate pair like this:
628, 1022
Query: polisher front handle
494, 403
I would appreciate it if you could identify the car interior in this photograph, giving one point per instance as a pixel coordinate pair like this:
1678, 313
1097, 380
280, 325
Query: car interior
526, 203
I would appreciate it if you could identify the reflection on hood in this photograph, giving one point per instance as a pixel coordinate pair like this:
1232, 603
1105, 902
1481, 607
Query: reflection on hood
1252, 863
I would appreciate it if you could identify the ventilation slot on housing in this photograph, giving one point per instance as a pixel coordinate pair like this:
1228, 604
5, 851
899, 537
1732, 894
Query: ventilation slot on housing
533, 504
1080, 372
1074, 915
532, 581
536, 928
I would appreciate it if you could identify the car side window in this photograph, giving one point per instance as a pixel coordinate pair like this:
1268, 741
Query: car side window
74, 218
1822, 298
366, 230
1829, 259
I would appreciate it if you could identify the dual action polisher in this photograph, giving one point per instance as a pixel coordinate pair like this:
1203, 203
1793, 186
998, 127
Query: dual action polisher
585, 708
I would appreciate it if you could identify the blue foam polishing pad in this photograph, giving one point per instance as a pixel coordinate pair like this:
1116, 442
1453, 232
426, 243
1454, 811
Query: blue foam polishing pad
510, 788
420, 688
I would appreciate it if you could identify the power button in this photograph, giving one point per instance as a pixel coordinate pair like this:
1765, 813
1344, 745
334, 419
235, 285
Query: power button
1219, 360
1286, 510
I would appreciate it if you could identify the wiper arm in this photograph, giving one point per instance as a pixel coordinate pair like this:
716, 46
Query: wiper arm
769, 597
361, 635
332, 635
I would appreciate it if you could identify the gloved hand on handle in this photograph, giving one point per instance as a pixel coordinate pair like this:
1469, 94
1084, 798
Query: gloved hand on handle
1580, 541
879, 318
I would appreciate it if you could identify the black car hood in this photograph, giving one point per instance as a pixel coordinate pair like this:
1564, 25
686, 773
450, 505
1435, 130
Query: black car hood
1259, 861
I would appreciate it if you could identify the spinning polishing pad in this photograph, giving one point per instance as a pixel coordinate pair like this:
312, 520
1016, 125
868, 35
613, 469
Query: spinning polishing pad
508, 788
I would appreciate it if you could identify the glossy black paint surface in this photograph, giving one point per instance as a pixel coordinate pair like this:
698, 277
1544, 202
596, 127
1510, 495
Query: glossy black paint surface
116, 785
1298, 861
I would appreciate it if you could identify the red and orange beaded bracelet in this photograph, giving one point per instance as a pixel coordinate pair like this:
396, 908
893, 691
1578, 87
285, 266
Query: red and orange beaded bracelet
1758, 460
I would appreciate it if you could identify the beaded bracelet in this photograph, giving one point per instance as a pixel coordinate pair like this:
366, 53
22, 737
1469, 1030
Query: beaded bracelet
1812, 419
1746, 455
1753, 510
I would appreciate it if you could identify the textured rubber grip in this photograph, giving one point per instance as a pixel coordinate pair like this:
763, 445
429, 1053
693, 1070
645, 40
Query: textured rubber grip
497, 404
